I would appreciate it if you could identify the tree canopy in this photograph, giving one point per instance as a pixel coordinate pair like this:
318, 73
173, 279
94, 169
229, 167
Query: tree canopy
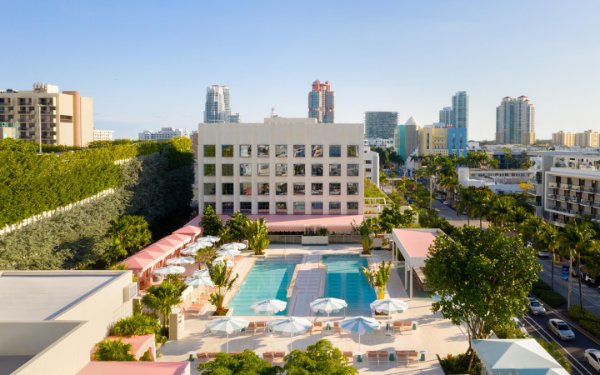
247, 363
320, 358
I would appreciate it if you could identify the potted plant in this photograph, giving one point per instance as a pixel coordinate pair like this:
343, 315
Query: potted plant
222, 278
378, 278
258, 236
366, 230
315, 236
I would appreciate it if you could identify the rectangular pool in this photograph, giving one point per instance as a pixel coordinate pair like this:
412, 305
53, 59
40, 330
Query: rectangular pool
345, 280
268, 279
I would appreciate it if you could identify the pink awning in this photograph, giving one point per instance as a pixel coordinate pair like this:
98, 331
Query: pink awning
193, 231
135, 368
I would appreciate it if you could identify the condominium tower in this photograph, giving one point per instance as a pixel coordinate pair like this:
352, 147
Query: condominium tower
460, 110
380, 124
515, 121
218, 105
406, 138
321, 102
446, 116
47, 115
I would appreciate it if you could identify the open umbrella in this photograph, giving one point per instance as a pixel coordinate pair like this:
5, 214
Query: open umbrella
389, 305
234, 245
221, 259
198, 281
169, 270
360, 325
201, 273
269, 306
212, 239
181, 260
227, 325
229, 252
290, 325
328, 305
189, 251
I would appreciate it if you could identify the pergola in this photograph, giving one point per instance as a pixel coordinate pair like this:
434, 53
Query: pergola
413, 244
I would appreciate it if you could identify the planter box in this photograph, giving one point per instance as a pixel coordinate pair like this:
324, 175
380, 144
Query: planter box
315, 240
377, 243
212, 317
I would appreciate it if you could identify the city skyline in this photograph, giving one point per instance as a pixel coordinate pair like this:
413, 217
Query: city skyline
118, 65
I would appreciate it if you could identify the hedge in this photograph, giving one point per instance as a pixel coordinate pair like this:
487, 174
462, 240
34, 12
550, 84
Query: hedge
587, 320
544, 292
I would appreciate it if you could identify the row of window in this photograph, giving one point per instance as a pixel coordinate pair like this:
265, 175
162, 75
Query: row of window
281, 170
281, 151
281, 188
281, 207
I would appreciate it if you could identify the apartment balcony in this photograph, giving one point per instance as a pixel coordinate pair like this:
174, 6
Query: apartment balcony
553, 184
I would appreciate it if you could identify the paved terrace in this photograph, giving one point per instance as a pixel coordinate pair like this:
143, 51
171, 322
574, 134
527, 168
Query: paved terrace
434, 334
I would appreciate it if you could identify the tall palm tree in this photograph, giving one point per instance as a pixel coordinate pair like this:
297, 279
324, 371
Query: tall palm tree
465, 202
223, 279
548, 237
500, 210
161, 298
577, 237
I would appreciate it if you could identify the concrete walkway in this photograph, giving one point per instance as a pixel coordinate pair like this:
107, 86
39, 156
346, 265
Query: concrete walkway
309, 284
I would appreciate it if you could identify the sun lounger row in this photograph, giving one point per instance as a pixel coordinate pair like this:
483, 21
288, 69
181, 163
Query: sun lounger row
400, 356
399, 326
256, 327
273, 356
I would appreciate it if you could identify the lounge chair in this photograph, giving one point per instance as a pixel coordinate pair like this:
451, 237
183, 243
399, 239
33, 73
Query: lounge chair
406, 357
268, 356
194, 309
372, 357
349, 356
278, 356
260, 327
251, 328
202, 357
382, 356
336, 328
317, 326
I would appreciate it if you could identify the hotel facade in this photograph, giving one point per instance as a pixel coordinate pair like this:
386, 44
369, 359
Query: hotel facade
282, 166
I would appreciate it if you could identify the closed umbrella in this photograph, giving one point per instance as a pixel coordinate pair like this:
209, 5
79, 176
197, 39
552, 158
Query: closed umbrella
290, 326
181, 260
227, 325
229, 252
169, 270
360, 325
234, 246
269, 306
389, 305
328, 305
212, 239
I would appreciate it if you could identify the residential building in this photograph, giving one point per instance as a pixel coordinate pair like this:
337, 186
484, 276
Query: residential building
572, 193
321, 102
380, 142
406, 138
372, 166
163, 134
103, 135
442, 141
586, 139
57, 118
8, 130
380, 124
515, 121
447, 116
281, 166
562, 138
218, 104
460, 110
234, 119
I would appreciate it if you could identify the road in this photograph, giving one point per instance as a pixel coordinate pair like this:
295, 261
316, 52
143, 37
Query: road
454, 219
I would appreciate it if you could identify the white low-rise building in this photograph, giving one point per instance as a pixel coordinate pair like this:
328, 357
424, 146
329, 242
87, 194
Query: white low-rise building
103, 135
372, 166
163, 134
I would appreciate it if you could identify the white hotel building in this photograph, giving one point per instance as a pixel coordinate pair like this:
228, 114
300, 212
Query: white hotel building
282, 166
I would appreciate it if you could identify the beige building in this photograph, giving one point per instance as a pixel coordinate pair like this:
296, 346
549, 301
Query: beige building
572, 193
65, 118
8, 130
103, 135
433, 141
586, 139
562, 138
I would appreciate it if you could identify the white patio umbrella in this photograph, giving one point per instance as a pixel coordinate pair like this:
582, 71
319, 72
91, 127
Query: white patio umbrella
229, 252
290, 325
221, 259
189, 251
197, 282
389, 305
328, 305
212, 239
181, 260
227, 325
169, 270
360, 325
201, 273
202, 244
269, 306
234, 245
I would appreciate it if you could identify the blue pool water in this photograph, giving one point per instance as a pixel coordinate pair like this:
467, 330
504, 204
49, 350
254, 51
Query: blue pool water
345, 280
268, 279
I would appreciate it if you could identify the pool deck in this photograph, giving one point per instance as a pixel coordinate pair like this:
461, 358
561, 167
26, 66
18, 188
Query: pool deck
434, 334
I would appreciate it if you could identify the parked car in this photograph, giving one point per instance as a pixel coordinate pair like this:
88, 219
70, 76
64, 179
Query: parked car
561, 329
519, 325
535, 307
592, 356
543, 254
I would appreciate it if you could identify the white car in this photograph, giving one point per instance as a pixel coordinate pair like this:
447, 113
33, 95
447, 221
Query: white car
592, 356
535, 307
561, 329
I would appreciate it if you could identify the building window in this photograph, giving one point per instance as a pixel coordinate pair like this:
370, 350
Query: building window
368, 170
299, 151
317, 189
368, 161
317, 170
317, 151
227, 207
281, 151
209, 151
352, 188
299, 170
263, 207
281, 170
227, 151
335, 170
352, 170
210, 170
299, 189
352, 151
246, 207
227, 169
281, 188
335, 207
352, 207
263, 151
335, 188
227, 188
298, 208
335, 151
281, 208
263, 169
263, 188
316, 207
246, 188
210, 188
245, 151
245, 169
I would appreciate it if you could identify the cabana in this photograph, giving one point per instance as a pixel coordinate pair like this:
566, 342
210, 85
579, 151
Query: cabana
413, 244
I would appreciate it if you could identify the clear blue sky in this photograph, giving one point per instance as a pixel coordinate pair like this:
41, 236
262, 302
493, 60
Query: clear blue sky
147, 63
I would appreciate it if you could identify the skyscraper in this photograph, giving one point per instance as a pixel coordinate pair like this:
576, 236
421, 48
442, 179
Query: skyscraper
446, 116
515, 121
406, 138
380, 124
218, 104
460, 110
321, 102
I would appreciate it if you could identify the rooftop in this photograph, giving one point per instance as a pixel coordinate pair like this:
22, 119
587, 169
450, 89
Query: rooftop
135, 368
416, 241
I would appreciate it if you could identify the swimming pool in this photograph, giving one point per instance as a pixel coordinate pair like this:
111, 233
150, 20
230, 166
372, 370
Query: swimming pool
268, 279
345, 280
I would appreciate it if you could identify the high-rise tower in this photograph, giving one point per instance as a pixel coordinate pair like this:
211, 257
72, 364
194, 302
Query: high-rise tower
460, 110
446, 116
515, 121
321, 102
218, 104
380, 124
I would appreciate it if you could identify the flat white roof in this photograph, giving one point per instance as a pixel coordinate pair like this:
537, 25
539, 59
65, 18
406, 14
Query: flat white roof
44, 295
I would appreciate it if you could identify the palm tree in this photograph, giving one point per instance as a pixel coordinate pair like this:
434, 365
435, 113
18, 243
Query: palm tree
379, 277
258, 236
161, 298
500, 210
113, 350
547, 235
577, 237
465, 202
222, 278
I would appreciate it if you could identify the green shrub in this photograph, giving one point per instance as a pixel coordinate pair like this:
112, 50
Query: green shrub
113, 350
138, 325
588, 321
147, 357
550, 297
556, 352
459, 364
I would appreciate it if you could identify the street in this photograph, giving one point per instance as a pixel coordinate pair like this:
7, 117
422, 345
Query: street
454, 219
